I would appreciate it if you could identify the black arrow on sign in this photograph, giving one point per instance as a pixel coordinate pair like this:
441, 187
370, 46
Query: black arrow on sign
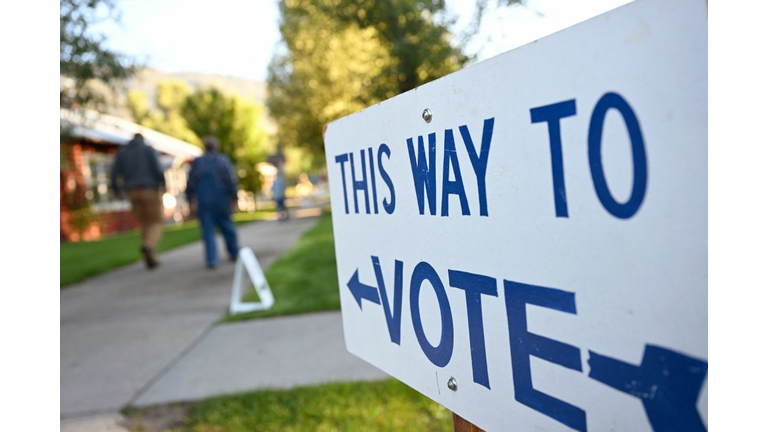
362, 291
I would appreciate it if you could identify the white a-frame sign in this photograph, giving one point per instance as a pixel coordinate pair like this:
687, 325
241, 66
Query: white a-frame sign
246, 260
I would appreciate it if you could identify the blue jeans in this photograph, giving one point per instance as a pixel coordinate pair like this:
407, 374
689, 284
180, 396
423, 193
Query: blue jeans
217, 217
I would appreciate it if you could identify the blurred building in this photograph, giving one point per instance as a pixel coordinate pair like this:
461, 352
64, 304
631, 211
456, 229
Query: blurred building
88, 144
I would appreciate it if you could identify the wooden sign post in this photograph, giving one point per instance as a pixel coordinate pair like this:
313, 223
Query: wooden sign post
461, 425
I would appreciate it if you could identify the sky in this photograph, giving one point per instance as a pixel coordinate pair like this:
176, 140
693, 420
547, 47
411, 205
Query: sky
237, 37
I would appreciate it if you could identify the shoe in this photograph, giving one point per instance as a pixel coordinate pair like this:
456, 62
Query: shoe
211, 266
149, 257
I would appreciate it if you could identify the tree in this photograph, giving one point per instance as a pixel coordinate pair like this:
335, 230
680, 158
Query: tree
138, 106
341, 56
415, 32
328, 73
83, 57
235, 122
191, 116
170, 97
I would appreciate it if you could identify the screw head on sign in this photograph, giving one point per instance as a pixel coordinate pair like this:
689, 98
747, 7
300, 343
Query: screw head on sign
427, 115
452, 384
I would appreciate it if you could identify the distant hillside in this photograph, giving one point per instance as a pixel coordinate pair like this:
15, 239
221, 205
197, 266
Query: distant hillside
146, 81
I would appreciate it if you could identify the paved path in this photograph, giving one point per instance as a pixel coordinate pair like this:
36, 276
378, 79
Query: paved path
281, 352
136, 337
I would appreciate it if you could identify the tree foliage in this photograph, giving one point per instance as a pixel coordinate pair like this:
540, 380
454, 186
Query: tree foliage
235, 122
170, 97
83, 57
192, 115
341, 56
328, 74
415, 32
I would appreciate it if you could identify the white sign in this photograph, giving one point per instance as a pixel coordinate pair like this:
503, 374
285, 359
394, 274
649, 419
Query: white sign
525, 241
248, 263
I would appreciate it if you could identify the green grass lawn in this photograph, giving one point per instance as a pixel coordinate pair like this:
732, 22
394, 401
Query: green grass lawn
357, 406
81, 260
304, 278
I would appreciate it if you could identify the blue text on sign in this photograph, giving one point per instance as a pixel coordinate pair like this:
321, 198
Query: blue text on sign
667, 382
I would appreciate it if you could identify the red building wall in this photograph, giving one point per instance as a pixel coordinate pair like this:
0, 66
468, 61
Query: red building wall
72, 200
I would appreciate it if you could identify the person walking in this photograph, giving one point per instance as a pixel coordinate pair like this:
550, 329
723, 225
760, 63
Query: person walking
212, 195
137, 171
278, 193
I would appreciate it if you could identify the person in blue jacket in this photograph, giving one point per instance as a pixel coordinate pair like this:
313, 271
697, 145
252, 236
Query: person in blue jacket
212, 194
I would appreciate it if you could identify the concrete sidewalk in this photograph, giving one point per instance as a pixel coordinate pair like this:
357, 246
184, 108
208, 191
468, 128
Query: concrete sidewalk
281, 352
135, 337
123, 329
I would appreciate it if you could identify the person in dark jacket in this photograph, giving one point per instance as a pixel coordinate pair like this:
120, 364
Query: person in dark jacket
137, 170
212, 194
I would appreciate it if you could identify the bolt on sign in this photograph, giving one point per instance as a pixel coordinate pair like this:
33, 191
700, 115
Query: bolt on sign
525, 241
